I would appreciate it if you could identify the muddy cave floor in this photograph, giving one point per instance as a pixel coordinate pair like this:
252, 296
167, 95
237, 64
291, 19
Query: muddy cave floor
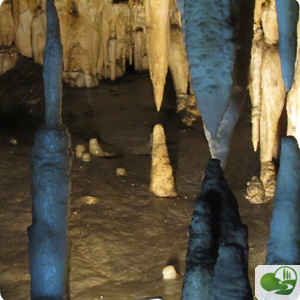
121, 235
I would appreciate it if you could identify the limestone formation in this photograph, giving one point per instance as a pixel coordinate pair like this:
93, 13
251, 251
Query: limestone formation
50, 169
292, 105
96, 149
79, 150
169, 273
284, 240
158, 45
6, 25
217, 243
162, 180
8, 59
267, 91
8, 53
86, 157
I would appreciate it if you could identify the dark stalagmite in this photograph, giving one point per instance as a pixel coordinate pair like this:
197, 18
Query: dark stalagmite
50, 166
217, 242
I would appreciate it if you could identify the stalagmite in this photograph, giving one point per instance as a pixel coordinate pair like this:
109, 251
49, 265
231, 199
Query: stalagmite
287, 15
284, 240
209, 38
162, 180
96, 149
86, 157
169, 273
158, 45
268, 97
79, 150
217, 242
50, 166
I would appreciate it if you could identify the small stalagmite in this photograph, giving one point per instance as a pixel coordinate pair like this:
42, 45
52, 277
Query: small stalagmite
158, 44
162, 180
80, 149
169, 272
95, 148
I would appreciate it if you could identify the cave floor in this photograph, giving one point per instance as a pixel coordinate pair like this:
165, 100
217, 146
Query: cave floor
121, 235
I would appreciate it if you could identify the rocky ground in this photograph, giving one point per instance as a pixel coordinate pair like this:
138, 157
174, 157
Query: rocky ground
121, 235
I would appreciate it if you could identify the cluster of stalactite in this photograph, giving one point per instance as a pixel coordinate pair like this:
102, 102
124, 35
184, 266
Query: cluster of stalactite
274, 87
8, 53
101, 38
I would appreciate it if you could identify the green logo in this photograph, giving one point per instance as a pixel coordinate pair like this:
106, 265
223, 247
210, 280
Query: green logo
283, 281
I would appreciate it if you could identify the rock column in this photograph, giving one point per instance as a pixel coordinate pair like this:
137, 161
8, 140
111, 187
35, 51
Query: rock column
50, 166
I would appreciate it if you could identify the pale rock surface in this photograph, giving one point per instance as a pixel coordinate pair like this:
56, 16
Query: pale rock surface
267, 91
158, 44
162, 180
169, 273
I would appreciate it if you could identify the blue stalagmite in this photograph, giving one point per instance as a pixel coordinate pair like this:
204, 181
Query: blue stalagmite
284, 241
287, 16
217, 242
50, 166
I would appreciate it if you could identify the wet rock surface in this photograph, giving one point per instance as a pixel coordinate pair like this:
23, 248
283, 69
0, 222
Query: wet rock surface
121, 235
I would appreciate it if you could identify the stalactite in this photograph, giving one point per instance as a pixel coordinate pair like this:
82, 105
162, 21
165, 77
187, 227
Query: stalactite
158, 45
209, 38
293, 98
50, 166
8, 53
287, 15
268, 97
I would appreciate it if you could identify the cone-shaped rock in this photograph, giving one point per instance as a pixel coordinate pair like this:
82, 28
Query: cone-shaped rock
209, 38
284, 240
162, 180
287, 15
217, 238
158, 44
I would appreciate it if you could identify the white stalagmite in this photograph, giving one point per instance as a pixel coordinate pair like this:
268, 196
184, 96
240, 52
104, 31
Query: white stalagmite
162, 180
158, 44
169, 273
